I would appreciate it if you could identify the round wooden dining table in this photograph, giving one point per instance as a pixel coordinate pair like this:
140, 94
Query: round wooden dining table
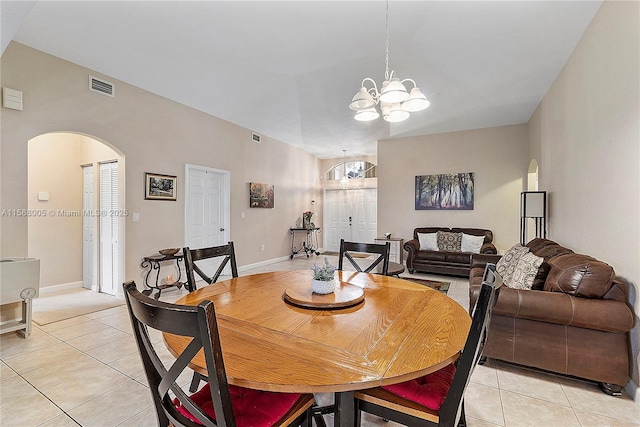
399, 331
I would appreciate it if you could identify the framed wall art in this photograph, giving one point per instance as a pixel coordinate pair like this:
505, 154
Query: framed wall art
159, 187
260, 195
452, 191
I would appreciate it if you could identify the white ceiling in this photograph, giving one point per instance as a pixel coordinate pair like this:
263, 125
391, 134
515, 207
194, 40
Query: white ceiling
288, 69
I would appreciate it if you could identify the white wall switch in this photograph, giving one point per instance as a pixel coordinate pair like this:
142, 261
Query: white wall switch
11, 98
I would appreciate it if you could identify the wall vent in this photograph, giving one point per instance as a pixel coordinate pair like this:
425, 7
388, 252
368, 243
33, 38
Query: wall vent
255, 137
101, 86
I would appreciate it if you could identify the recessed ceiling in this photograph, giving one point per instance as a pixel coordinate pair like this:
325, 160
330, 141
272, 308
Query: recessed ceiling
288, 69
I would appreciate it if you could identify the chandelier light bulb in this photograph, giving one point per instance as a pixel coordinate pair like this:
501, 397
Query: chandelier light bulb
394, 92
362, 100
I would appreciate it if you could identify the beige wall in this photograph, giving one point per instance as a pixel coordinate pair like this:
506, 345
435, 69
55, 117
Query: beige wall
154, 135
498, 158
585, 136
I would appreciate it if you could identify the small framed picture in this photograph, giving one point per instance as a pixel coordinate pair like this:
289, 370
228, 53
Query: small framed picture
159, 187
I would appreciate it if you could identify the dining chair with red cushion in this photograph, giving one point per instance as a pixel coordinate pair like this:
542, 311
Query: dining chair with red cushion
217, 403
436, 398
228, 254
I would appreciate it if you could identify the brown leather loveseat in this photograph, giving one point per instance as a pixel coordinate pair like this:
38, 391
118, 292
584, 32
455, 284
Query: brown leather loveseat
575, 319
438, 261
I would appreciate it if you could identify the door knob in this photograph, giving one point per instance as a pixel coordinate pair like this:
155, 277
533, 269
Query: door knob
221, 229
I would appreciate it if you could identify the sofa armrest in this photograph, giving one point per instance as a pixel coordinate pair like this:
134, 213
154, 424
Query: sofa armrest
481, 260
488, 248
412, 247
564, 309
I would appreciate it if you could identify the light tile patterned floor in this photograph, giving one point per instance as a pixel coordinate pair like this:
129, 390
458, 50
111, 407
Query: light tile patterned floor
67, 375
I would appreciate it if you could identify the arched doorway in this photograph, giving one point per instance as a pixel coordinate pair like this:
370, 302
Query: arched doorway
76, 191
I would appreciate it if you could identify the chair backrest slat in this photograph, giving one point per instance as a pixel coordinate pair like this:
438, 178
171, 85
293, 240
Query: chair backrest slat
346, 248
192, 255
451, 408
200, 324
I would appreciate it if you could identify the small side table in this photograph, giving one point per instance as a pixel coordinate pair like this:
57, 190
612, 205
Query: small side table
310, 243
396, 253
153, 263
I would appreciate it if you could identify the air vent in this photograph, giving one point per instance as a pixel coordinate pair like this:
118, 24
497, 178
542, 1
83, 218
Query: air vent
255, 137
101, 86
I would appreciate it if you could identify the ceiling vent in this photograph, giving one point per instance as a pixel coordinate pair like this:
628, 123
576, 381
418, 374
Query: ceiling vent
255, 137
101, 86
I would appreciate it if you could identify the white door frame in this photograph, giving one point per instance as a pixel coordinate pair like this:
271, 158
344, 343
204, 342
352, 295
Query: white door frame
226, 197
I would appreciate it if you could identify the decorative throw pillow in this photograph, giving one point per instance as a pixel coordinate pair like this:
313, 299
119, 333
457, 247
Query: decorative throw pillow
449, 242
428, 241
507, 264
471, 243
525, 271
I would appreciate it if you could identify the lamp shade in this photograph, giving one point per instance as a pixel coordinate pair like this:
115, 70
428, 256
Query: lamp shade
533, 204
362, 100
367, 115
396, 114
416, 102
393, 92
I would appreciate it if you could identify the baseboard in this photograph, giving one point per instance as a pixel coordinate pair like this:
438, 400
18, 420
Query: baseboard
633, 391
262, 263
62, 287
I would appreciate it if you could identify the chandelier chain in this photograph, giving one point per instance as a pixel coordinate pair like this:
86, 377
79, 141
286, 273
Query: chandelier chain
386, 57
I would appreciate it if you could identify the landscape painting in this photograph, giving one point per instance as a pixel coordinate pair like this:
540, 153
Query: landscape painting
260, 195
159, 187
453, 191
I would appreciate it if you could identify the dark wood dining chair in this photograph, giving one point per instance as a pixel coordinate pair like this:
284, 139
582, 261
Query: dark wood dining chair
436, 399
218, 403
347, 248
190, 257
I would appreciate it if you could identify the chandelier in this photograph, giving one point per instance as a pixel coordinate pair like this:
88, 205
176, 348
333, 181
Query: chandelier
393, 100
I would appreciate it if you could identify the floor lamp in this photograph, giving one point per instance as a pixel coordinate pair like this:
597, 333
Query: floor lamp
533, 204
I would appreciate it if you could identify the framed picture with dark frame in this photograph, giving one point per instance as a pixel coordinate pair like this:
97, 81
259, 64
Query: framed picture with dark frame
451, 191
159, 187
261, 195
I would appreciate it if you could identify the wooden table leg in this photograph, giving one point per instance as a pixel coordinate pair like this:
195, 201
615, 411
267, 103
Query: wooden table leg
345, 409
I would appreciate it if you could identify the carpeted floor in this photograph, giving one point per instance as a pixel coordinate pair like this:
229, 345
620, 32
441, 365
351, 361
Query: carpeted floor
70, 303
438, 286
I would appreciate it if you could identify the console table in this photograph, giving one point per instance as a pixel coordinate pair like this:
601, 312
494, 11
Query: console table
152, 263
309, 244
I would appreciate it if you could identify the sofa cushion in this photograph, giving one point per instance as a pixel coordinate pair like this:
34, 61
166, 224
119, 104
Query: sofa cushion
579, 275
458, 257
431, 256
507, 264
525, 271
448, 241
428, 241
471, 243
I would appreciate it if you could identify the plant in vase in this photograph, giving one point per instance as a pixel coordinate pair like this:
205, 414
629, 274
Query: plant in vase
306, 217
323, 281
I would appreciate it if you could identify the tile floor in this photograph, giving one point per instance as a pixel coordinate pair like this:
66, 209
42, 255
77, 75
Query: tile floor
67, 375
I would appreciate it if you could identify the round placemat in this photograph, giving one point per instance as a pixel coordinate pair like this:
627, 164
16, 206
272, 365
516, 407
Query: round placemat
344, 296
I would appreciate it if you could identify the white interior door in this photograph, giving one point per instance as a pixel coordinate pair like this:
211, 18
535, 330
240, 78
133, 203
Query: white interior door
88, 229
349, 215
207, 210
109, 227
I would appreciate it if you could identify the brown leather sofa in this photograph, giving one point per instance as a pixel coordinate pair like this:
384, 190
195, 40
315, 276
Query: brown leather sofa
575, 320
444, 262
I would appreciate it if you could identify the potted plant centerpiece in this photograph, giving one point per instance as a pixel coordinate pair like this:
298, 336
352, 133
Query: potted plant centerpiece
323, 281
